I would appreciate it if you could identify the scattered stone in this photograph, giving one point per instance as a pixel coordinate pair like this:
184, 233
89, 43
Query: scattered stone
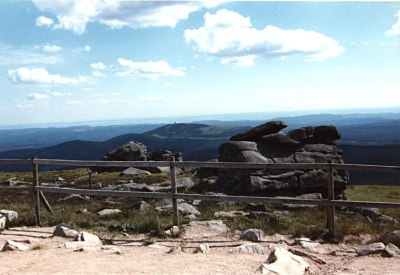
9, 214
14, 246
140, 205
81, 211
254, 235
111, 249
248, 248
65, 231
205, 229
88, 237
390, 250
3, 221
373, 248
203, 248
60, 179
230, 214
109, 212
184, 183
131, 151
131, 171
304, 254
392, 237
311, 246
184, 208
196, 202
281, 261
173, 231
175, 250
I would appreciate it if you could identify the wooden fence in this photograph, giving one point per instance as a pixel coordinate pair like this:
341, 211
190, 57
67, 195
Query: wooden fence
329, 203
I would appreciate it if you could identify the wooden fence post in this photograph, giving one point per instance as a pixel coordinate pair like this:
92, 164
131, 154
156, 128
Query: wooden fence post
331, 209
174, 190
35, 172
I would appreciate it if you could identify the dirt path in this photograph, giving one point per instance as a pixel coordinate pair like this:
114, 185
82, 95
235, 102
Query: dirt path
49, 256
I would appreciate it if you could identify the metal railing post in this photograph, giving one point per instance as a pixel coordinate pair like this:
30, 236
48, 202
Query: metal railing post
35, 172
331, 209
174, 191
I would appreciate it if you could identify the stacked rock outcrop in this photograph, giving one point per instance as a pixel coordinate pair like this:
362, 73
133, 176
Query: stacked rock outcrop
266, 143
136, 151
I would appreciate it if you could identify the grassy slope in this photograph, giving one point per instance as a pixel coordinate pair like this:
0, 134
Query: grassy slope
297, 222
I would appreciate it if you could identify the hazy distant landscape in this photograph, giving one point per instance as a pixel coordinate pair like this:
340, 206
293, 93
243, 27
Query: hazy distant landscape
366, 139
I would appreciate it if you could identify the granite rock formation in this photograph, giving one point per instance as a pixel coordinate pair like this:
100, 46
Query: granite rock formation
266, 143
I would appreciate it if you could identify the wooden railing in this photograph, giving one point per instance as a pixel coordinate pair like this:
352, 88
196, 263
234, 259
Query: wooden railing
329, 203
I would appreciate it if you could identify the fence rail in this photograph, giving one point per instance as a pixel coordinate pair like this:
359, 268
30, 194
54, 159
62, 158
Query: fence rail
329, 203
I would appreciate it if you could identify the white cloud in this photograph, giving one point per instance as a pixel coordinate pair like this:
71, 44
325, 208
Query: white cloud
87, 48
98, 74
57, 94
75, 15
44, 21
35, 96
229, 35
98, 66
26, 75
26, 55
51, 48
155, 98
395, 29
76, 102
150, 69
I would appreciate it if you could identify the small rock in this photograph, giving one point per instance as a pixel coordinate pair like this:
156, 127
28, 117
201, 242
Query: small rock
390, 250
254, 235
14, 246
65, 231
196, 202
203, 248
81, 211
3, 221
392, 237
111, 249
205, 229
229, 214
281, 261
109, 212
175, 250
173, 231
88, 237
248, 248
191, 217
313, 247
370, 249
135, 172
9, 214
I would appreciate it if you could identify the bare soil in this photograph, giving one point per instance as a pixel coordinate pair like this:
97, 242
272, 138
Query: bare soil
48, 255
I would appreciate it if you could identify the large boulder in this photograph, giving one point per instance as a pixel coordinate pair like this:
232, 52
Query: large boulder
256, 133
132, 151
266, 143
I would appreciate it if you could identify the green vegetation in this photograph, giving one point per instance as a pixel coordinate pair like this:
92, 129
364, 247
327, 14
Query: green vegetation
299, 222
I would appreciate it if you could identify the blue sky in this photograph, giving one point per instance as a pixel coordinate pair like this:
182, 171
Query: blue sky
66, 61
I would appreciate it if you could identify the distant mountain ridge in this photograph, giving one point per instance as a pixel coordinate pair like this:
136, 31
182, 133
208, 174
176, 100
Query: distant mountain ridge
200, 141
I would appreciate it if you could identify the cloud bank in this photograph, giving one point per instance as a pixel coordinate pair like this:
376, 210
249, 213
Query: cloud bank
231, 37
75, 15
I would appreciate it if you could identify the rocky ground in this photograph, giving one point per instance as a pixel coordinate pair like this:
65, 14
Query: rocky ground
202, 249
